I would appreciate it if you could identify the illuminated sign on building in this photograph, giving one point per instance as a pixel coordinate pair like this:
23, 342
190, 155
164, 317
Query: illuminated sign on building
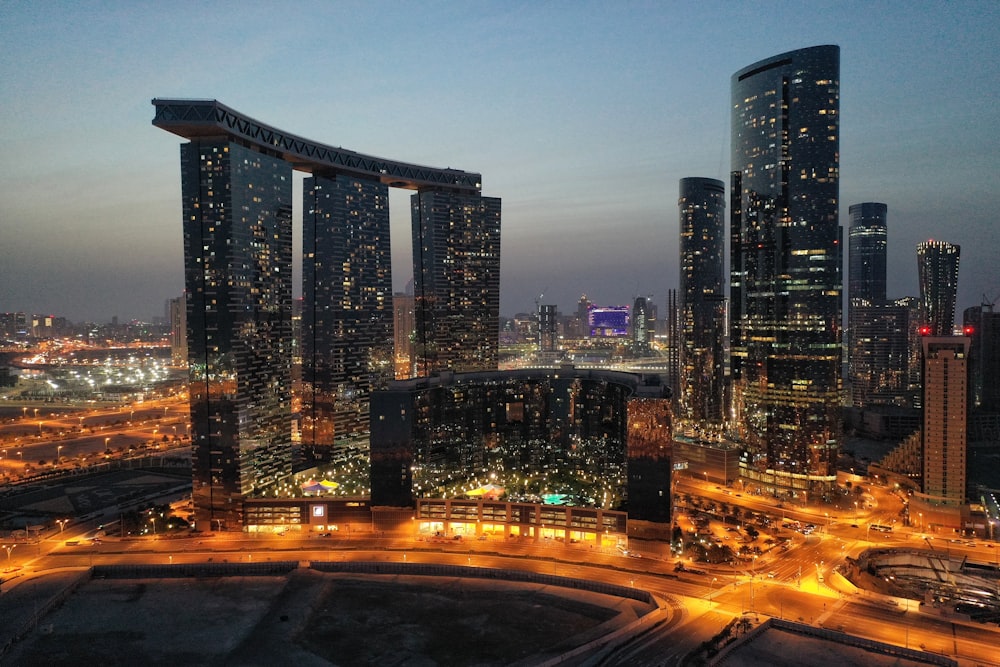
608, 321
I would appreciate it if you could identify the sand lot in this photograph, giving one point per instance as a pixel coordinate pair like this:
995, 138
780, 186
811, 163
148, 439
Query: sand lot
311, 618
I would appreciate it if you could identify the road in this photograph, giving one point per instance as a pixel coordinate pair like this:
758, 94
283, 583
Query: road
701, 603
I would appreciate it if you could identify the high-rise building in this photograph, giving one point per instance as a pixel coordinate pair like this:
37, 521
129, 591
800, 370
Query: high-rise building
546, 329
177, 312
982, 325
937, 268
403, 323
428, 433
456, 281
785, 264
702, 320
236, 186
640, 331
347, 345
944, 430
884, 371
237, 206
867, 237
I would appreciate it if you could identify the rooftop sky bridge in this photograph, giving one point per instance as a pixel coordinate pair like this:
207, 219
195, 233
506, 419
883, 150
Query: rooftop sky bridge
193, 119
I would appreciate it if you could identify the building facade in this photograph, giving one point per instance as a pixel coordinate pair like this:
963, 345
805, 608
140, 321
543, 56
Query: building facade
236, 182
177, 310
456, 281
937, 271
884, 363
522, 431
785, 265
702, 320
944, 430
237, 206
347, 335
403, 328
982, 325
868, 243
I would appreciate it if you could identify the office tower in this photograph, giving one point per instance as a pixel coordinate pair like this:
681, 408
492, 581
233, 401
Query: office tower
546, 329
642, 326
785, 267
867, 237
402, 317
883, 367
347, 323
944, 431
702, 320
456, 281
237, 206
937, 267
982, 326
177, 311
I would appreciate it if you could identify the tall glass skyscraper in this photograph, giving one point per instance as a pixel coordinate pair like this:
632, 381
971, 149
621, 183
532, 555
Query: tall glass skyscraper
702, 323
867, 236
456, 281
347, 346
237, 206
785, 264
236, 181
937, 268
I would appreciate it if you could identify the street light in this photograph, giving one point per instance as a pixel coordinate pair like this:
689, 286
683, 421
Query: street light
9, 548
711, 587
59, 453
62, 524
152, 520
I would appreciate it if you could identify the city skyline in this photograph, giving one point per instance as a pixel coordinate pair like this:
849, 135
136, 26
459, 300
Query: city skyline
583, 122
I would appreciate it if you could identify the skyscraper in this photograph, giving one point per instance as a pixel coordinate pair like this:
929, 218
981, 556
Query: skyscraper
982, 325
546, 329
402, 317
868, 236
456, 281
883, 368
640, 331
237, 206
236, 186
347, 345
944, 429
702, 318
785, 266
937, 267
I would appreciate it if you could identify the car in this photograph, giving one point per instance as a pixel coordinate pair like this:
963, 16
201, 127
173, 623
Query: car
772, 574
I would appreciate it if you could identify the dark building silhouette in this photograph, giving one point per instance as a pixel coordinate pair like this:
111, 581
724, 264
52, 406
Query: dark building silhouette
785, 264
982, 326
702, 320
456, 281
509, 427
347, 343
937, 268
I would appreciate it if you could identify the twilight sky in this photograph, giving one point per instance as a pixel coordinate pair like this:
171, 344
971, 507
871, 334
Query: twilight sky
581, 116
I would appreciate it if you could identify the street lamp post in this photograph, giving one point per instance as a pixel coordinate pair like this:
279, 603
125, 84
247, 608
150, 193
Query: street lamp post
62, 524
152, 520
59, 454
9, 548
711, 587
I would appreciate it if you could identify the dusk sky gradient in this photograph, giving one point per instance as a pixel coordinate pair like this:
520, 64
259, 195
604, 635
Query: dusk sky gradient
581, 116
